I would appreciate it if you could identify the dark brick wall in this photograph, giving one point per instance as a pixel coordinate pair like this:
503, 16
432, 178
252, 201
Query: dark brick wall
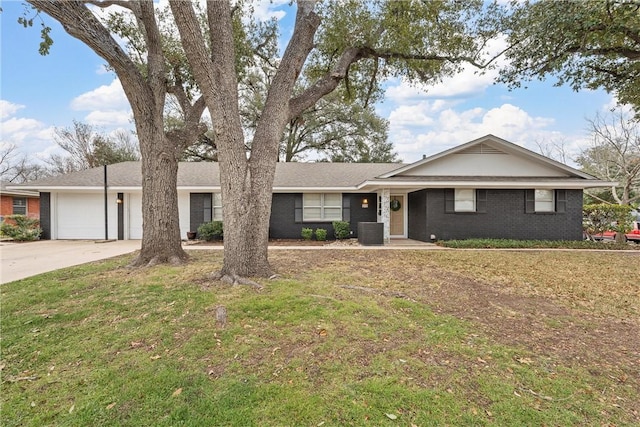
282, 224
417, 216
505, 218
45, 215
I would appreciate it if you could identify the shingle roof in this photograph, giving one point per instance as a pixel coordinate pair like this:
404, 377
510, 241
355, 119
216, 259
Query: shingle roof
22, 193
206, 174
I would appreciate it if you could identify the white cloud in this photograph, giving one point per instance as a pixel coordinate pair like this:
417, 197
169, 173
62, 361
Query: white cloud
469, 81
30, 136
105, 97
8, 109
107, 105
110, 118
265, 10
448, 127
17, 129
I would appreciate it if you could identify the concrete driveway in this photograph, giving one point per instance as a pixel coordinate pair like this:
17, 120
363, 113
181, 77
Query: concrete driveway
20, 260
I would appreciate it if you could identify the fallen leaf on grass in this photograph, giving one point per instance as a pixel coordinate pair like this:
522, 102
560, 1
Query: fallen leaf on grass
111, 405
72, 408
524, 360
392, 416
177, 392
156, 357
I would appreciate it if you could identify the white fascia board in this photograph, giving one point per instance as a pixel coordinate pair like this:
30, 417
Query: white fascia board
85, 189
315, 189
412, 185
10, 191
199, 189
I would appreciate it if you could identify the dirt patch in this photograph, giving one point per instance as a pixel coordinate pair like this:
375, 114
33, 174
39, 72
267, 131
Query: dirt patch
556, 330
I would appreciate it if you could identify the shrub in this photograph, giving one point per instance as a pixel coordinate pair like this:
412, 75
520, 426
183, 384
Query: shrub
601, 217
321, 234
341, 229
211, 231
532, 244
307, 233
21, 228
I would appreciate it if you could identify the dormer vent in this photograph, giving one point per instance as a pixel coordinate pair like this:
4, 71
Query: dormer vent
481, 148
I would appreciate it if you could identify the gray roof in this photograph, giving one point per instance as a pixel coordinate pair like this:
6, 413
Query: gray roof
206, 174
16, 192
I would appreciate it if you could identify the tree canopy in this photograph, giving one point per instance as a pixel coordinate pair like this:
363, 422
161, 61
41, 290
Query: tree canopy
586, 44
351, 45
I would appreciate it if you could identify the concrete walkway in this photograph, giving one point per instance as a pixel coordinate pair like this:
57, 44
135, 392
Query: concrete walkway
21, 260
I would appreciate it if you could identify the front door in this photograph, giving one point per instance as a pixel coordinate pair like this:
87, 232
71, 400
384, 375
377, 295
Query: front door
397, 216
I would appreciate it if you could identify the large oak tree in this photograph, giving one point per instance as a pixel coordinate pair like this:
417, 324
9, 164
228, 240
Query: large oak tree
351, 43
416, 40
146, 84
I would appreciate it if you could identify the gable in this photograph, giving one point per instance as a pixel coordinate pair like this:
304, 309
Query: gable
488, 156
488, 163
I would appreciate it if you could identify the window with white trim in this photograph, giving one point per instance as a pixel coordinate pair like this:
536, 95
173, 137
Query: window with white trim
322, 207
465, 200
545, 201
19, 205
216, 207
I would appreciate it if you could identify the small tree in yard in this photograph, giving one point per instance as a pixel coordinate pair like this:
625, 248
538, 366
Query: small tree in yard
603, 217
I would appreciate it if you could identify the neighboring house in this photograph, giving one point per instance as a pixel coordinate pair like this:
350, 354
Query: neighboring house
18, 202
487, 188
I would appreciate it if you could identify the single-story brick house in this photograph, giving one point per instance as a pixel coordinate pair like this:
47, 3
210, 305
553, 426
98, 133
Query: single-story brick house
488, 187
18, 202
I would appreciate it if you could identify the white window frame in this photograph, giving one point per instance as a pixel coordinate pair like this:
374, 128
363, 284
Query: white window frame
322, 206
216, 207
545, 200
464, 202
20, 206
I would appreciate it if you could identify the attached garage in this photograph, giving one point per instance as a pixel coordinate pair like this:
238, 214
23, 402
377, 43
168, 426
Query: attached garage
79, 216
133, 215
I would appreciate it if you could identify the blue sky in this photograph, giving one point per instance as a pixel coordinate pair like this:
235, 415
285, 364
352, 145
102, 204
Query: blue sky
39, 93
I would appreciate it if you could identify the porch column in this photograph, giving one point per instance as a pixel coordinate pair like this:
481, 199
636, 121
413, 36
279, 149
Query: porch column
385, 198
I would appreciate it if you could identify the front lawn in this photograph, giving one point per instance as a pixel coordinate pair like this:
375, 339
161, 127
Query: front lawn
359, 337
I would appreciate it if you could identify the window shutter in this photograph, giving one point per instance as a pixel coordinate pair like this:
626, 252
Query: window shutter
207, 207
346, 207
449, 200
561, 201
481, 201
297, 207
530, 201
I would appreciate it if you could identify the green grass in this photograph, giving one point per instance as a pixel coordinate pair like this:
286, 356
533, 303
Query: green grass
101, 344
535, 244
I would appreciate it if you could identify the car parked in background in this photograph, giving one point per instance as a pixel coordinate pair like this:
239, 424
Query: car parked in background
632, 236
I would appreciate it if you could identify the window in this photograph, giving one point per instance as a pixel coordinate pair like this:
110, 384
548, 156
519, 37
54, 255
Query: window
322, 207
544, 201
19, 205
465, 200
212, 206
217, 207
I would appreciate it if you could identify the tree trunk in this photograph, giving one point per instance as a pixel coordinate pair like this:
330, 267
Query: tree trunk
146, 94
161, 242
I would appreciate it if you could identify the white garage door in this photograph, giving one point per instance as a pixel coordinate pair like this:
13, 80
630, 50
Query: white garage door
135, 216
80, 216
